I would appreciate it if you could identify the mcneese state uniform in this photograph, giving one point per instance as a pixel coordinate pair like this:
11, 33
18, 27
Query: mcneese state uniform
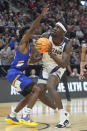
15, 74
50, 67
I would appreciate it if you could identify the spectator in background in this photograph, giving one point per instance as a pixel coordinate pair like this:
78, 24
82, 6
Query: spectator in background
75, 43
33, 76
12, 43
79, 34
1, 42
75, 73
74, 60
5, 55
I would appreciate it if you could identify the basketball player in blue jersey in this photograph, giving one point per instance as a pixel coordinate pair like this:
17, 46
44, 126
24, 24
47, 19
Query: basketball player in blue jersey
54, 65
22, 83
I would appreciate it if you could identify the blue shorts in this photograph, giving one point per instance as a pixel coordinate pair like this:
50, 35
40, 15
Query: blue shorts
18, 80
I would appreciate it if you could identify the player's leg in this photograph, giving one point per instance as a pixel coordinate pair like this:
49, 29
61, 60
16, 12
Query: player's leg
22, 103
25, 86
26, 119
51, 85
12, 118
64, 80
44, 98
64, 116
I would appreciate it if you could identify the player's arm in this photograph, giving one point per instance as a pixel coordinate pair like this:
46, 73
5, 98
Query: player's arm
35, 24
69, 69
82, 64
46, 35
34, 59
66, 56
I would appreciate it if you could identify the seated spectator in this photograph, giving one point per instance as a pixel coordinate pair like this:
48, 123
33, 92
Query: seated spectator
75, 72
76, 43
5, 55
79, 34
33, 75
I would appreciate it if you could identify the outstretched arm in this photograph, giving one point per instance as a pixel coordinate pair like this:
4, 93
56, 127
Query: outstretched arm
66, 56
35, 24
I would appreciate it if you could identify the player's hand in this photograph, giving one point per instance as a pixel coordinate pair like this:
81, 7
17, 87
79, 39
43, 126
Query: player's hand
45, 9
81, 76
51, 54
50, 50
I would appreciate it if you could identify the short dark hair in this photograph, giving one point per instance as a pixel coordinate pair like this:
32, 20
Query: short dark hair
22, 31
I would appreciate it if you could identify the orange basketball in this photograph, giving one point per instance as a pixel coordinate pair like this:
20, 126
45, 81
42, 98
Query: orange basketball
43, 45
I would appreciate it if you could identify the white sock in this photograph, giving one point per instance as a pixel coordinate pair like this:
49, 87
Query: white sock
61, 110
13, 114
27, 111
62, 116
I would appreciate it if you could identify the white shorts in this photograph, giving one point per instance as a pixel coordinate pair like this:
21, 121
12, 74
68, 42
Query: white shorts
45, 74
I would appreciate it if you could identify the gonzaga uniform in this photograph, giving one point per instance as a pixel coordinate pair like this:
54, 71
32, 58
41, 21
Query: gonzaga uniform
15, 74
49, 65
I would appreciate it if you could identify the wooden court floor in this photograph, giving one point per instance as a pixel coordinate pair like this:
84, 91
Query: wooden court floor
48, 118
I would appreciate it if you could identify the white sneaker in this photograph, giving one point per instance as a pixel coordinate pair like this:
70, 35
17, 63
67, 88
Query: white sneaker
64, 119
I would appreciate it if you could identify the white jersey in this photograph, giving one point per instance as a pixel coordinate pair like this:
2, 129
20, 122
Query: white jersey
50, 67
48, 62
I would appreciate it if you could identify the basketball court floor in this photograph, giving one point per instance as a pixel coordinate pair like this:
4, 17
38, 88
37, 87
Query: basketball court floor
48, 118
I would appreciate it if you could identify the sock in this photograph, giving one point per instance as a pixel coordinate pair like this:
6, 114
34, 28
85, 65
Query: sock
13, 114
27, 111
61, 110
62, 115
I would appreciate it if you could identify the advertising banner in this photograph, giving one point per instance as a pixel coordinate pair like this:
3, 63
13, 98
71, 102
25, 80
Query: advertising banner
77, 89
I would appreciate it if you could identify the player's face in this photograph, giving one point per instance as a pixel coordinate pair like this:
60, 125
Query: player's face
57, 31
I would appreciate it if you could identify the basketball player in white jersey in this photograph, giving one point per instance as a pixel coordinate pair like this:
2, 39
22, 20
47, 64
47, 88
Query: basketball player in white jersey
54, 65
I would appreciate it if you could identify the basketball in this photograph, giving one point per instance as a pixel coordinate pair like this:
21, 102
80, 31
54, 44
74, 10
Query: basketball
43, 45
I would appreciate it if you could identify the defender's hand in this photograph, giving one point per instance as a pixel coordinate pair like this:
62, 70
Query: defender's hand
45, 9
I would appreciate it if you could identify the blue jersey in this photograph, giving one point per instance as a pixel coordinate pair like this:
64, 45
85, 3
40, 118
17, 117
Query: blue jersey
21, 61
15, 74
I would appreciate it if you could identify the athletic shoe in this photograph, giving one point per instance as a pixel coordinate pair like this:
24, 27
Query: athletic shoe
65, 124
12, 120
27, 121
64, 121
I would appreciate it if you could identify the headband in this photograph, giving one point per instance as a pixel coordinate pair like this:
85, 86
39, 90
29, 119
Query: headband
61, 25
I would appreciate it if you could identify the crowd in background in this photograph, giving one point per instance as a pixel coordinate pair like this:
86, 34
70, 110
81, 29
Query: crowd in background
25, 12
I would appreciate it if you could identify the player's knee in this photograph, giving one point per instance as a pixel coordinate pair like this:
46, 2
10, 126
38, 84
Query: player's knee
50, 87
36, 89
